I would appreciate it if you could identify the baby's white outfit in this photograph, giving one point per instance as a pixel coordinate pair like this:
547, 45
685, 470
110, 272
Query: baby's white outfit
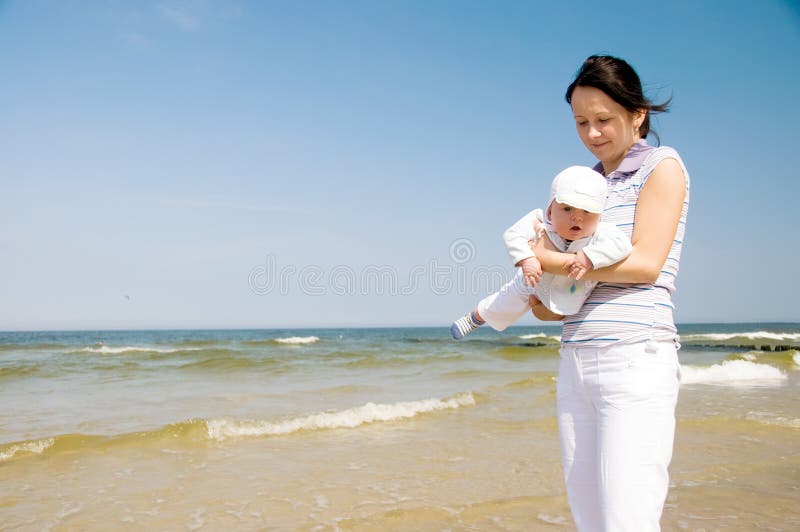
558, 293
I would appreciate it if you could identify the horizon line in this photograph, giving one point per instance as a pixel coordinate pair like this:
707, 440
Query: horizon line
334, 327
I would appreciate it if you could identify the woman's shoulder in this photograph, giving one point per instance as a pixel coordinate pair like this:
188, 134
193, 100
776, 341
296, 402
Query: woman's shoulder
663, 152
659, 154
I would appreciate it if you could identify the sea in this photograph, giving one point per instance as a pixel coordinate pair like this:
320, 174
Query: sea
366, 429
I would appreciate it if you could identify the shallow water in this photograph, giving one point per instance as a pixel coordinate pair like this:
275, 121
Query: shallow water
369, 429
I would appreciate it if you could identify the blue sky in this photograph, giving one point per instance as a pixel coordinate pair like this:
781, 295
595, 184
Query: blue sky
288, 164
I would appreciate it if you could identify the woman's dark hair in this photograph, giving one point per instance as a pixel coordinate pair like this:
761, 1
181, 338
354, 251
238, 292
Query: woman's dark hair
616, 78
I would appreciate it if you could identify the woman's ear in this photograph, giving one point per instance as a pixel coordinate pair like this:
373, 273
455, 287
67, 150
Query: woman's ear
638, 118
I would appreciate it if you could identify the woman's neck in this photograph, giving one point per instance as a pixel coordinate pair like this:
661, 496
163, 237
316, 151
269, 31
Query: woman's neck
610, 166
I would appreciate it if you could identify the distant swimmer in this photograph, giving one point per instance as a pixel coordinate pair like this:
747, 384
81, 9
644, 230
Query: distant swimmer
100, 343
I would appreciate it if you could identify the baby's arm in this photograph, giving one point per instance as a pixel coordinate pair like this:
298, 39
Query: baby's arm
577, 265
516, 239
531, 271
608, 246
517, 236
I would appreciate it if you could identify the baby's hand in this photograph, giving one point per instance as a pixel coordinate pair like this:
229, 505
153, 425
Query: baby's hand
538, 231
531, 271
578, 265
538, 228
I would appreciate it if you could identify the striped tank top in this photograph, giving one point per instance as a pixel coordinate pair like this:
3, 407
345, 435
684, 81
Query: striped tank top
618, 312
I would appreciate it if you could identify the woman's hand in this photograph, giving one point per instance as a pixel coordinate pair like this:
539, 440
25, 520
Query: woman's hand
541, 312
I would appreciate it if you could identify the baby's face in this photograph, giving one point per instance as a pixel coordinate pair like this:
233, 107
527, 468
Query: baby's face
571, 223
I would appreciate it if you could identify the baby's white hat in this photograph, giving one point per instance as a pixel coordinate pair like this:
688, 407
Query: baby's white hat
580, 187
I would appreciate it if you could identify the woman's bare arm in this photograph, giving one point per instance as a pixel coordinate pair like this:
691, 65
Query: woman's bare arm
658, 212
541, 312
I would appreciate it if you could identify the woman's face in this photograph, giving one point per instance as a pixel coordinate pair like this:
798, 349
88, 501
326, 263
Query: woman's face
607, 129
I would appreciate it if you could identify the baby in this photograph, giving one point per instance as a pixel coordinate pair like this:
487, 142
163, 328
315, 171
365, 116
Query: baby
572, 223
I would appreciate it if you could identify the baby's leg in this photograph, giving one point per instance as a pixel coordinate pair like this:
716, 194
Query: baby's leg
506, 306
466, 324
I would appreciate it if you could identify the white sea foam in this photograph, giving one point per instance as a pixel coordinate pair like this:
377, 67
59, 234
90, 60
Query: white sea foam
297, 340
220, 429
768, 418
38, 447
68, 510
553, 520
754, 356
197, 521
733, 372
106, 350
539, 335
757, 335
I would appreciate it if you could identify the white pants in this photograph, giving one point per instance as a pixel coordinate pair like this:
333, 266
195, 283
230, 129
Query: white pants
507, 305
616, 418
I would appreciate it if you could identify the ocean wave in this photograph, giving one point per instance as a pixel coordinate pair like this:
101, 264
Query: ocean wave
340, 355
198, 431
782, 359
757, 335
230, 363
732, 372
188, 432
288, 340
107, 350
537, 336
33, 447
762, 340
521, 353
534, 381
15, 372
368, 361
768, 418
221, 429
30, 347
297, 340
201, 343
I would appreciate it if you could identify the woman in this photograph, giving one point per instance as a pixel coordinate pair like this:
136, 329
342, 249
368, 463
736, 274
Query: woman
618, 373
